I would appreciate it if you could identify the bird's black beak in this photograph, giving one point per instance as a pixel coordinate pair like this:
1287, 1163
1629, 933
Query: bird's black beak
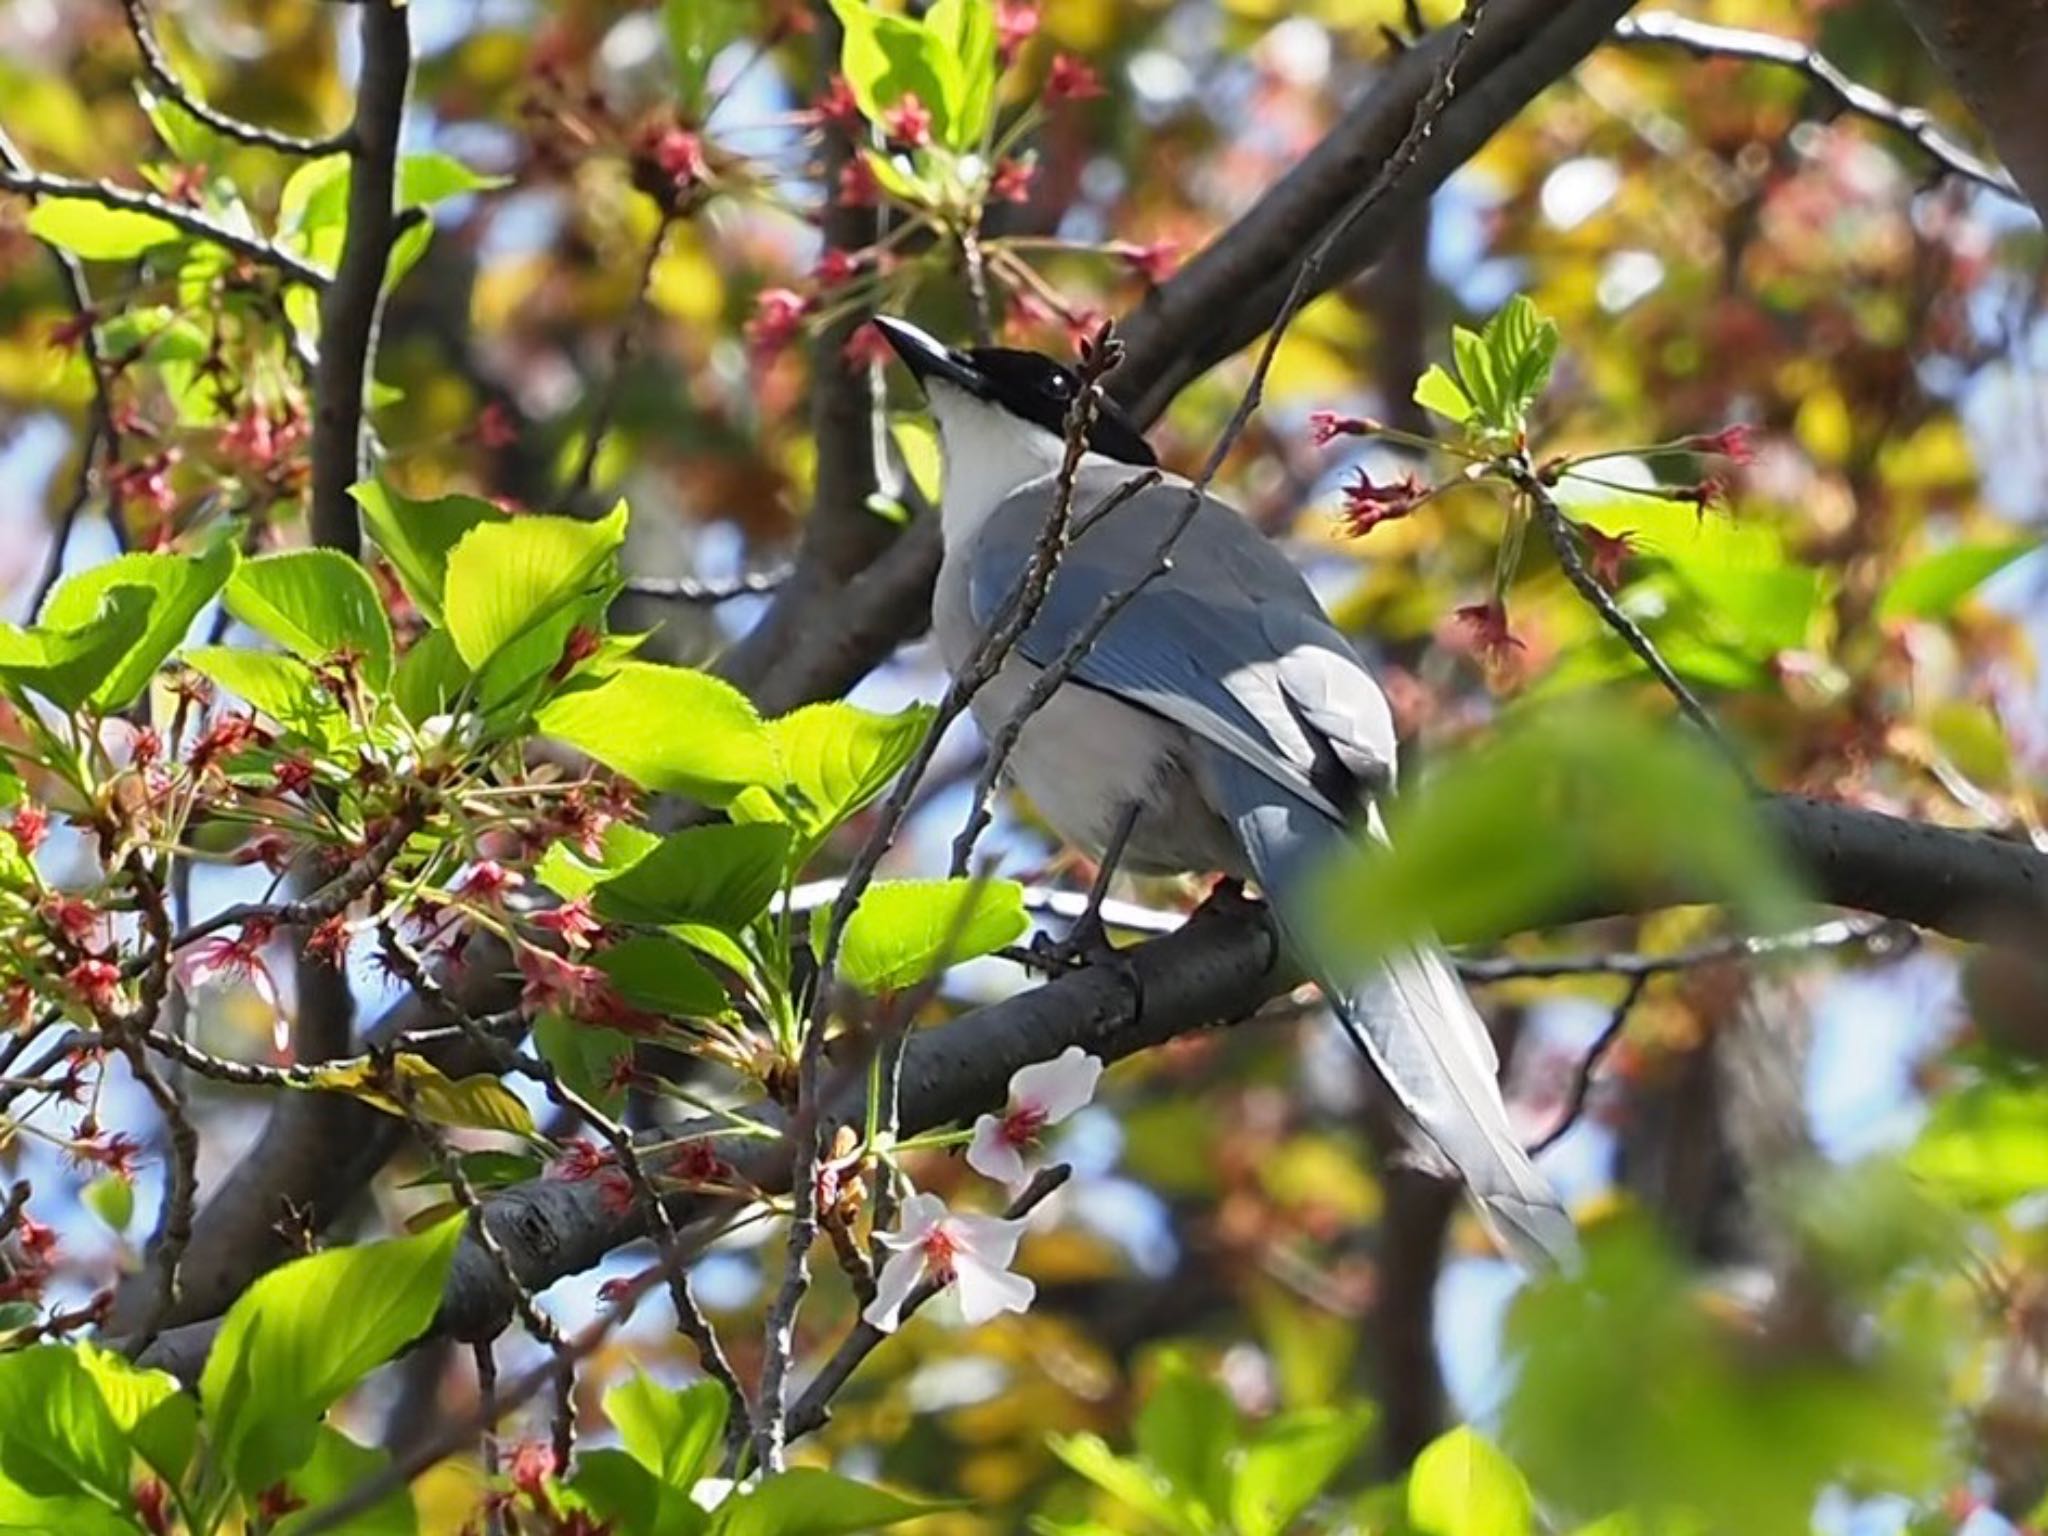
929, 358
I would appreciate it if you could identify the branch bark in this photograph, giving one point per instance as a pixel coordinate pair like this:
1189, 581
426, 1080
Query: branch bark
1996, 52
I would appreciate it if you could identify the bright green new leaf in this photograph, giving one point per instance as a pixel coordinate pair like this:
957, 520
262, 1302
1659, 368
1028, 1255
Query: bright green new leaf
966, 29
1986, 1144
312, 215
62, 1437
416, 536
304, 1334
315, 603
1186, 1430
160, 1420
426, 179
1461, 1485
112, 1199
1935, 586
1522, 345
806, 1502
1129, 1482
1476, 371
337, 1467
567, 871
154, 332
183, 585
662, 974
617, 1489
66, 665
1437, 391
675, 1435
835, 759
904, 930
282, 687
96, 232
885, 58
429, 677
1289, 1461
487, 1169
1564, 807
669, 729
505, 578
720, 875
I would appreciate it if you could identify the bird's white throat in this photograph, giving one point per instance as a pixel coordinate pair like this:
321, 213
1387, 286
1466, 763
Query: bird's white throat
989, 452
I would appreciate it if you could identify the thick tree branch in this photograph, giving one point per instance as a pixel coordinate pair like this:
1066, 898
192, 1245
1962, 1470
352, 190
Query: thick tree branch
1996, 52
349, 308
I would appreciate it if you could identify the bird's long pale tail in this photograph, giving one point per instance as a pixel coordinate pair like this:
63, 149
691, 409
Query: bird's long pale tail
1411, 1019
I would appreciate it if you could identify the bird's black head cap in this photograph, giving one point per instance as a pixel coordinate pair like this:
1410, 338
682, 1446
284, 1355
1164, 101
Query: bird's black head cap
1028, 385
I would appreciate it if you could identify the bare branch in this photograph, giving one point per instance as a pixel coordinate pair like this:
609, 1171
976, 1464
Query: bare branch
1589, 1064
350, 307
689, 589
157, 65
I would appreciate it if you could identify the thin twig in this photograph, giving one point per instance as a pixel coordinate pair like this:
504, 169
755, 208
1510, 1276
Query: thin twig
362, 872
157, 65
814, 1409
1564, 541
1880, 935
1582, 1081
40, 184
1703, 40
615, 381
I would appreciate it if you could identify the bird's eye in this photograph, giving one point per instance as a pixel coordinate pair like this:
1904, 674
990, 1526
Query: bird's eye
1059, 385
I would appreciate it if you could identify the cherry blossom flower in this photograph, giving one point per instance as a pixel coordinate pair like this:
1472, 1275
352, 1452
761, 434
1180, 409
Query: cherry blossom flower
1071, 79
1042, 1094
835, 266
571, 922
866, 347
97, 983
778, 316
970, 1254
1736, 443
76, 918
1325, 427
236, 961
1016, 24
488, 881
680, 154
1487, 625
550, 982
835, 105
1606, 554
1153, 262
908, 122
153, 1506
1011, 182
329, 940
1710, 492
30, 826
495, 427
1367, 505
857, 185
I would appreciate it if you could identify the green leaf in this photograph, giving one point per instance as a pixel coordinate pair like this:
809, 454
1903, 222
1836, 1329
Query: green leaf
617, 1489
569, 873
904, 930
315, 603
112, 1199
426, 179
966, 29
806, 1502
487, 1169
1476, 372
1461, 1485
662, 974
1522, 345
62, 1438
1935, 586
281, 687
429, 678
885, 58
721, 875
416, 536
67, 665
183, 585
1289, 1461
1565, 806
669, 729
836, 758
24, 1514
337, 1467
478, 1102
674, 1435
1186, 1430
1986, 1144
1129, 1482
505, 578
155, 332
584, 1055
159, 1419
312, 212
304, 1334
86, 228
698, 31
1437, 391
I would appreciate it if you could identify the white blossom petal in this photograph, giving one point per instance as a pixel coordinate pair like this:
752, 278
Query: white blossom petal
1058, 1087
986, 1289
893, 1286
921, 1213
992, 1155
991, 1239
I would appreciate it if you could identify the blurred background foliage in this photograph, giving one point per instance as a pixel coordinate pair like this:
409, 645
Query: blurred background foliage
1816, 1291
